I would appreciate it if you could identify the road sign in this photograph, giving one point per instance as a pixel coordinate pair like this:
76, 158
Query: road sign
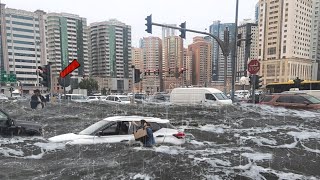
254, 66
71, 67
12, 78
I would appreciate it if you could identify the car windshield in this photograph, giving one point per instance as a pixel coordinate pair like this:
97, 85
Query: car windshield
139, 96
220, 96
94, 127
124, 98
312, 99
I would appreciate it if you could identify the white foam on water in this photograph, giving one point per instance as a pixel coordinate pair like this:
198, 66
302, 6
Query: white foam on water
218, 129
7, 152
51, 146
172, 150
257, 156
261, 141
15, 140
142, 176
305, 135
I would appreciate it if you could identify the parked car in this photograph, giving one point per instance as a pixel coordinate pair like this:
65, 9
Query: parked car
93, 98
9, 126
205, 96
160, 98
120, 129
3, 97
118, 99
292, 100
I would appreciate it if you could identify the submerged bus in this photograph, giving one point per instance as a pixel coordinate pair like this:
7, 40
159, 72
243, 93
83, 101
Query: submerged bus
286, 86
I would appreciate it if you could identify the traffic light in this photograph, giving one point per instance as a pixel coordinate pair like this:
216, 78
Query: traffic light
149, 24
176, 73
248, 39
251, 80
158, 71
137, 75
169, 70
297, 82
45, 74
149, 72
183, 30
239, 37
258, 81
145, 73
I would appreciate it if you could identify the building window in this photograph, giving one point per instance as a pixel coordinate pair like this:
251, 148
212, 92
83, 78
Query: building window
272, 51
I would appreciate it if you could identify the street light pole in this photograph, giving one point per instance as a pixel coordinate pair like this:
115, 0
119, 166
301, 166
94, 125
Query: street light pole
234, 57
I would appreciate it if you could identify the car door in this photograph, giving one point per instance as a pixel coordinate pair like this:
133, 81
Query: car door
5, 127
284, 101
159, 136
298, 102
113, 133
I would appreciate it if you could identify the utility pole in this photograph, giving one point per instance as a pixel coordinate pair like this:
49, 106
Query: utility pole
234, 57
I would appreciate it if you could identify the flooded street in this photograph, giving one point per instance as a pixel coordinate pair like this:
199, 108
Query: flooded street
237, 142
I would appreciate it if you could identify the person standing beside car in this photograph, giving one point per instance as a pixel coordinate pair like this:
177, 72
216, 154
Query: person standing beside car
148, 140
36, 100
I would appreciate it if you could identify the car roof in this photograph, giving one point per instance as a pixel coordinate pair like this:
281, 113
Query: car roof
136, 118
119, 95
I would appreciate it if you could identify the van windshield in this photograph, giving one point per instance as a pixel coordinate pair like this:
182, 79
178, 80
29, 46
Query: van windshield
220, 96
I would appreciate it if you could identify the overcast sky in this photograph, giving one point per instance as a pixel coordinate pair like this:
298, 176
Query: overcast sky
198, 14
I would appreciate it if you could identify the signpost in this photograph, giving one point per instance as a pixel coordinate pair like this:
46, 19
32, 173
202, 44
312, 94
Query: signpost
253, 68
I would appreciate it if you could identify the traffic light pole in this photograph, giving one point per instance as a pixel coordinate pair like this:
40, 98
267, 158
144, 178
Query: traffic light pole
133, 84
223, 45
254, 77
234, 57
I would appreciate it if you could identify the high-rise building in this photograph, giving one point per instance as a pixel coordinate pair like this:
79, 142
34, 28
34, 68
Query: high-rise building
315, 40
256, 13
67, 39
201, 51
110, 43
187, 64
168, 31
22, 46
172, 59
218, 60
152, 61
284, 40
246, 51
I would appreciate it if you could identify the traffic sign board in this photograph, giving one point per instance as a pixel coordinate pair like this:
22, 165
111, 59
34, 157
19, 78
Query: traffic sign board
254, 66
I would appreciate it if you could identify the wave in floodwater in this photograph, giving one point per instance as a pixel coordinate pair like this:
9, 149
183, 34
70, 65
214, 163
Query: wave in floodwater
235, 142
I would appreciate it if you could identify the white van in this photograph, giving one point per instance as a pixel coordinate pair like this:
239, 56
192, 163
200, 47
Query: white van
205, 96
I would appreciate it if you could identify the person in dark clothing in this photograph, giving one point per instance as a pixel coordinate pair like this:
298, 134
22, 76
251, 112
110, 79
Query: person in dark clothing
36, 99
148, 141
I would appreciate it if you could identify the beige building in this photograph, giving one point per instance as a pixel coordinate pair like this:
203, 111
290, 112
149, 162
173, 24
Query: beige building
152, 60
201, 61
137, 59
173, 60
187, 64
246, 51
284, 40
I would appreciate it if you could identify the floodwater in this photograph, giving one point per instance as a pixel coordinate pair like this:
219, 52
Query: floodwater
235, 142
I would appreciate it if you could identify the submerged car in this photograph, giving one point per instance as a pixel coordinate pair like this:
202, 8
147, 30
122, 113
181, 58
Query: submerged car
119, 129
10, 127
292, 100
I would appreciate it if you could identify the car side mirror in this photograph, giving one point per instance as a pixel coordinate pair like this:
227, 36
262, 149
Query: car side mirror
100, 133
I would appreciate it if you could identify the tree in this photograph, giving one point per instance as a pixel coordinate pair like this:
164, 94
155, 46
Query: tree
89, 84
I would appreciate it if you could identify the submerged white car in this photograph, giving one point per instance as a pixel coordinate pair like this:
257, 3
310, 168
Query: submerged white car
119, 129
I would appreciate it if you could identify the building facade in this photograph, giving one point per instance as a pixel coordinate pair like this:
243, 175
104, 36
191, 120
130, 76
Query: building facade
201, 51
152, 61
246, 51
315, 40
22, 48
187, 64
172, 59
218, 61
111, 59
285, 40
67, 39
